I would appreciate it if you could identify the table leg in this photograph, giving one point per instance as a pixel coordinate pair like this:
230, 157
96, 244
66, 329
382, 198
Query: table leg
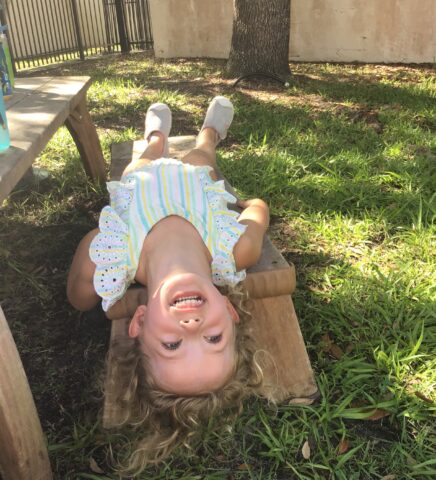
84, 133
23, 453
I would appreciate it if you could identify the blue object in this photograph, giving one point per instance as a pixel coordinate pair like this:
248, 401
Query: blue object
5, 139
6, 72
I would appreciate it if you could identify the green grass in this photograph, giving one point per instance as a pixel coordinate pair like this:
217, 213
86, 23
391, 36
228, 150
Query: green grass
346, 159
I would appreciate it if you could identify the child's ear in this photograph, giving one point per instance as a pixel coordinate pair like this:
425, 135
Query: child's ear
232, 311
137, 321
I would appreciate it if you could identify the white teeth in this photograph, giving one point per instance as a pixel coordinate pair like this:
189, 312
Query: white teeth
193, 301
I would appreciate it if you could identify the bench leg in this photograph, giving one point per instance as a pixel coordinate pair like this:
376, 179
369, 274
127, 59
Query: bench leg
23, 453
112, 415
285, 362
85, 136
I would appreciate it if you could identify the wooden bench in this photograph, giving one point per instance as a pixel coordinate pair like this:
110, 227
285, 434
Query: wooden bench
274, 325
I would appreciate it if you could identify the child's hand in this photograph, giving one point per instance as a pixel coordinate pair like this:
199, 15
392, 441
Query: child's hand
241, 203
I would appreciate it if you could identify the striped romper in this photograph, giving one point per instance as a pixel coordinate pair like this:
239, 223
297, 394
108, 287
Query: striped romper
142, 198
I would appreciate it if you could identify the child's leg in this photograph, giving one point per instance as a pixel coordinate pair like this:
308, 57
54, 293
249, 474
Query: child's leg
218, 118
80, 287
204, 152
157, 129
154, 151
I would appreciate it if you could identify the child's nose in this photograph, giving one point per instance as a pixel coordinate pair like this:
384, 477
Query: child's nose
191, 323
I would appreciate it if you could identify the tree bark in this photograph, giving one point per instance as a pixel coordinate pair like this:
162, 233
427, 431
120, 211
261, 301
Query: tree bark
260, 40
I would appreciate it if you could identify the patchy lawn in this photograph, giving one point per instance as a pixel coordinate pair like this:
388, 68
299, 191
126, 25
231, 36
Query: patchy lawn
346, 159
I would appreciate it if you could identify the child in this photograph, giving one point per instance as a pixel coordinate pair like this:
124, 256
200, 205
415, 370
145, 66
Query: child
168, 227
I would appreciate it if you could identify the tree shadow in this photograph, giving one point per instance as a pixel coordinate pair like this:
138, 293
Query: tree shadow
321, 162
337, 87
62, 350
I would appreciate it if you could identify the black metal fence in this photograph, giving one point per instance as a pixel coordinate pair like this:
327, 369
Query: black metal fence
41, 32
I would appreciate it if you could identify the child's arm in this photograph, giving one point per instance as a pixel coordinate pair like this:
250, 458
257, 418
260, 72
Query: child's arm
80, 287
249, 247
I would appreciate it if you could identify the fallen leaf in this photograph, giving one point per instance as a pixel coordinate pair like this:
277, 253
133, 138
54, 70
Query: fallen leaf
336, 352
375, 413
343, 446
331, 348
423, 397
243, 466
93, 465
378, 414
305, 451
389, 477
326, 340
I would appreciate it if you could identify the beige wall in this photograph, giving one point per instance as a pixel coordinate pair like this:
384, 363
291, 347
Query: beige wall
191, 28
364, 30
321, 30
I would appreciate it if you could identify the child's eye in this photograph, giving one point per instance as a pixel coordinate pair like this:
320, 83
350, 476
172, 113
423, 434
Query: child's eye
171, 345
214, 338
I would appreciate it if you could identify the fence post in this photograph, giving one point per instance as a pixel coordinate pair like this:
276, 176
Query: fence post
77, 29
2, 13
125, 47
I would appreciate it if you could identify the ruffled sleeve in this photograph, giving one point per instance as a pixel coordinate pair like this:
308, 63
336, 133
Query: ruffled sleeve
227, 232
121, 194
108, 250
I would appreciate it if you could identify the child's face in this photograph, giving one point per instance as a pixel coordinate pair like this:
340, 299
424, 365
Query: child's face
187, 330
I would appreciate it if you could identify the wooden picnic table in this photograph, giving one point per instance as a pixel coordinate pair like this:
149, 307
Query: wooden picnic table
37, 108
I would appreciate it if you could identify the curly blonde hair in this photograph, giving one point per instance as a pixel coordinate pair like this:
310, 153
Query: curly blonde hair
169, 420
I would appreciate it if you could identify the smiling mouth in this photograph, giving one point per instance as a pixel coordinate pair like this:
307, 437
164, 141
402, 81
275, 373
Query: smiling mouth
188, 301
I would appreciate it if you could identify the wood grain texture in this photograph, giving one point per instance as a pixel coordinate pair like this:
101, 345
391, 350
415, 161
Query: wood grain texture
84, 134
282, 353
23, 453
270, 283
113, 415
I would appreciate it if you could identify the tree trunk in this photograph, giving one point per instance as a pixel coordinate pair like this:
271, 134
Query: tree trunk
260, 40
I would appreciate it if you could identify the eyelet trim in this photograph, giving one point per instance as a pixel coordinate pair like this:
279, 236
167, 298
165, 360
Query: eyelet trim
108, 250
227, 231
